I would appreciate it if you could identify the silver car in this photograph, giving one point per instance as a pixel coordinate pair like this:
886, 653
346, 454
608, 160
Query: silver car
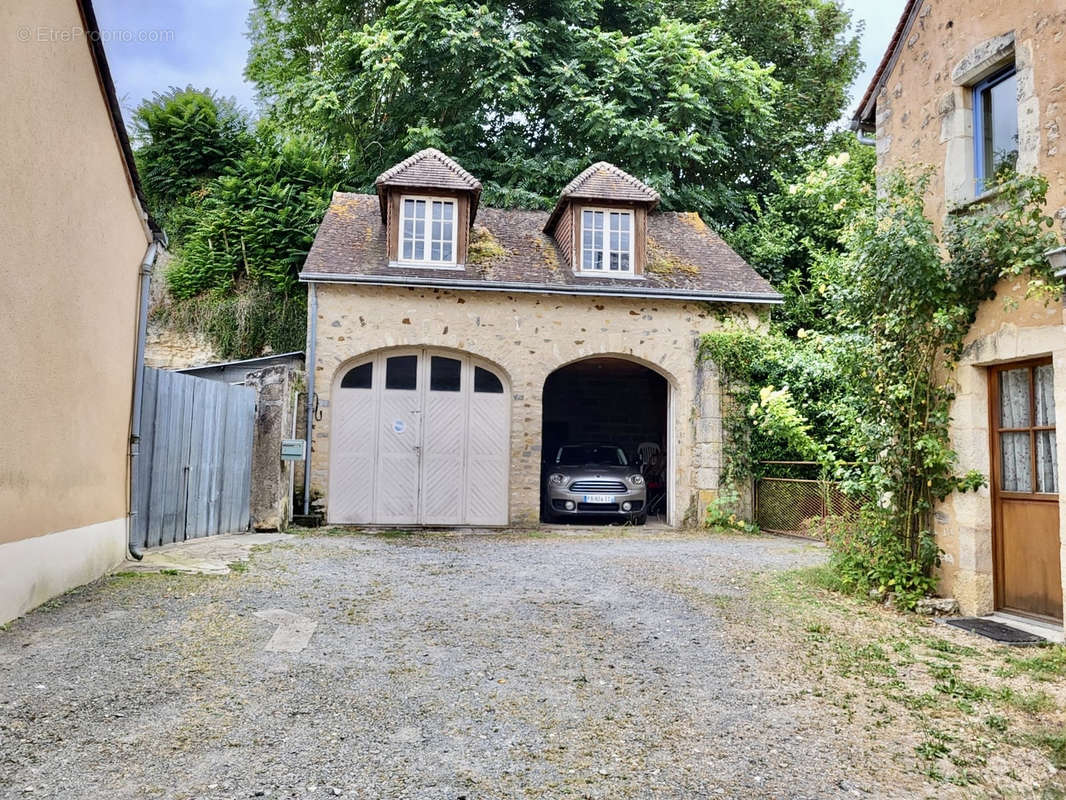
594, 480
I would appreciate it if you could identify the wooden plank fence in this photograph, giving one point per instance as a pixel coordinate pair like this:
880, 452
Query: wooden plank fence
195, 464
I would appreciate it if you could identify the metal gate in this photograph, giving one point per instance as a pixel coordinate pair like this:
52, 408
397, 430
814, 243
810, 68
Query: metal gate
194, 470
797, 505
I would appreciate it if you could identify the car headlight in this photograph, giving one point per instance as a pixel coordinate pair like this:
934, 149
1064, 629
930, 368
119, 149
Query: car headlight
636, 480
557, 479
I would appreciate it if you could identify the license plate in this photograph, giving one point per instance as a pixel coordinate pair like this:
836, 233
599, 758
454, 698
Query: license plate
599, 499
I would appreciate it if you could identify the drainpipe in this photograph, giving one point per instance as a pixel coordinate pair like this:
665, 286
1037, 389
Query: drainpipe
138, 389
312, 336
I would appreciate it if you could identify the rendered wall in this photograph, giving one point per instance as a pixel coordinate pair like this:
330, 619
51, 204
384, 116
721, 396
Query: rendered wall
73, 240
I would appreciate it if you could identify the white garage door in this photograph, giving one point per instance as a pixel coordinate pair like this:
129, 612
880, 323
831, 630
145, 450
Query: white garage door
420, 437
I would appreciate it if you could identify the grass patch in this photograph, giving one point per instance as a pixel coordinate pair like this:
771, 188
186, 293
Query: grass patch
1048, 664
1036, 702
238, 566
1052, 742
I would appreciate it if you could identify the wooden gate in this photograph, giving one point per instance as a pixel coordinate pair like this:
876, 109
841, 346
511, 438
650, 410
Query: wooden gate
194, 470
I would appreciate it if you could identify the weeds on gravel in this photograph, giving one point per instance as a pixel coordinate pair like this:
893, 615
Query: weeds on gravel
949, 699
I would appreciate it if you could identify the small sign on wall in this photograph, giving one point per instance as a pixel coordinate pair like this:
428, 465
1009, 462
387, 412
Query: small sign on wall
293, 449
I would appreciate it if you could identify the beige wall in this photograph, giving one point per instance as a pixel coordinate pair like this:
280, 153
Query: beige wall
72, 242
529, 336
924, 117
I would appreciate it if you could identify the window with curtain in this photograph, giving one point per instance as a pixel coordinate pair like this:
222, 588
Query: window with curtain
1026, 430
427, 231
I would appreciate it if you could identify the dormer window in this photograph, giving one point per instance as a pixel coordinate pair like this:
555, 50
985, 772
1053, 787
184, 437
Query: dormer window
606, 240
427, 231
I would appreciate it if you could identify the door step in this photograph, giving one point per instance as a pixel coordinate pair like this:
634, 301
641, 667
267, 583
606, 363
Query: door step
1007, 630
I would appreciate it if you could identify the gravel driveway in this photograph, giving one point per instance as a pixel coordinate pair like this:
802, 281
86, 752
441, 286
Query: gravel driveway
560, 665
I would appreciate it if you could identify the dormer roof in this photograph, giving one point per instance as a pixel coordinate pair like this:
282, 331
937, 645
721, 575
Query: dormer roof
604, 182
428, 169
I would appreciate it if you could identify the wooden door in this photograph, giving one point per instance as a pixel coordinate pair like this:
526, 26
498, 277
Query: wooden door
1025, 486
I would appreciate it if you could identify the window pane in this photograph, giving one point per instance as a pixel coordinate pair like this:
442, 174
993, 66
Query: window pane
446, 250
1017, 462
449, 208
420, 249
1044, 378
1047, 462
625, 262
359, 378
486, 382
1014, 399
444, 374
420, 209
586, 257
401, 372
614, 261
438, 210
434, 251
597, 261
1000, 108
408, 250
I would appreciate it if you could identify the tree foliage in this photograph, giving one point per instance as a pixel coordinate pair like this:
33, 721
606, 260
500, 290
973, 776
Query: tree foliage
796, 235
526, 93
185, 138
241, 208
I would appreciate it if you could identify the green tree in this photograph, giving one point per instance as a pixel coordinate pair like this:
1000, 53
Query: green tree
797, 234
185, 137
525, 93
814, 48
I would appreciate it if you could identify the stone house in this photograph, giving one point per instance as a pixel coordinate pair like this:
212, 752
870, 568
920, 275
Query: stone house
971, 88
76, 240
453, 345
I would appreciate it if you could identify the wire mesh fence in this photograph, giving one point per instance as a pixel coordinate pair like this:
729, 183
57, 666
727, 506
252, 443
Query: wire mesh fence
798, 506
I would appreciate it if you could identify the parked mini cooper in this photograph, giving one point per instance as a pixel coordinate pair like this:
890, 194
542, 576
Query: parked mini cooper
594, 480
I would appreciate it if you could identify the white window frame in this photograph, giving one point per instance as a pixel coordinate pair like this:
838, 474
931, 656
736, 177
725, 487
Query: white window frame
427, 234
579, 265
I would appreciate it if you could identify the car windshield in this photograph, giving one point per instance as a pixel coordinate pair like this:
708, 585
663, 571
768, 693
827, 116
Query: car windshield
573, 455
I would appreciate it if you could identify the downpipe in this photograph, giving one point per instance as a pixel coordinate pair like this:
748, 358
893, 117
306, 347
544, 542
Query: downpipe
312, 336
145, 278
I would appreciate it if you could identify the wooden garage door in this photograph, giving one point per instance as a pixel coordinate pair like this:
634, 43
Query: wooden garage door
420, 437
1025, 487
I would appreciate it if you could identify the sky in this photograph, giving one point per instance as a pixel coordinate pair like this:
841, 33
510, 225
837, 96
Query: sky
155, 44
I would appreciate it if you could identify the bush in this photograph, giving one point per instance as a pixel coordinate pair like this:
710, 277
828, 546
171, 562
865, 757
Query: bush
868, 555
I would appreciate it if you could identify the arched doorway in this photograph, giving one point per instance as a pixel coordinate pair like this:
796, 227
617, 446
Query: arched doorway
614, 402
419, 437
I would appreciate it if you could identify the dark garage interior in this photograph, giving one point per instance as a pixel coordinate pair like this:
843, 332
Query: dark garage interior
610, 401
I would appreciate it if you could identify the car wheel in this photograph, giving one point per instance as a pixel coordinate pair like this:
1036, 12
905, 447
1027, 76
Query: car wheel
546, 514
640, 519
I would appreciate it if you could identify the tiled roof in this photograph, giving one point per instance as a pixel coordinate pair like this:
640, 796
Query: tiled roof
510, 251
603, 181
429, 168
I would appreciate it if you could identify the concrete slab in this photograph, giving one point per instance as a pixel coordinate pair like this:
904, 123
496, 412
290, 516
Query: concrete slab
211, 555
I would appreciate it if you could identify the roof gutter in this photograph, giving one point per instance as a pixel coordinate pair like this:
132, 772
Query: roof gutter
541, 288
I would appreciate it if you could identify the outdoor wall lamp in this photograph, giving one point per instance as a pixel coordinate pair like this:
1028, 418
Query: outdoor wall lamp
1057, 259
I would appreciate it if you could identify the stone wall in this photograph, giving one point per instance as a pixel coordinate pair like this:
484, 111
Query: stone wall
528, 336
272, 479
925, 117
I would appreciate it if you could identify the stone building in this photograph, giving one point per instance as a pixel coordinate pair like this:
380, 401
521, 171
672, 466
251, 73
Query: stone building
972, 88
454, 347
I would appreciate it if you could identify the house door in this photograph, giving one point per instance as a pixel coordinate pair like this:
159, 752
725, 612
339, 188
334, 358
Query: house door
421, 437
1025, 486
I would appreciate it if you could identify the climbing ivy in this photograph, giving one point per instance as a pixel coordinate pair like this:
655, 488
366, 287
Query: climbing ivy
902, 301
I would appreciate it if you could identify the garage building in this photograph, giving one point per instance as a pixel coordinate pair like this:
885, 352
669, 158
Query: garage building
456, 347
